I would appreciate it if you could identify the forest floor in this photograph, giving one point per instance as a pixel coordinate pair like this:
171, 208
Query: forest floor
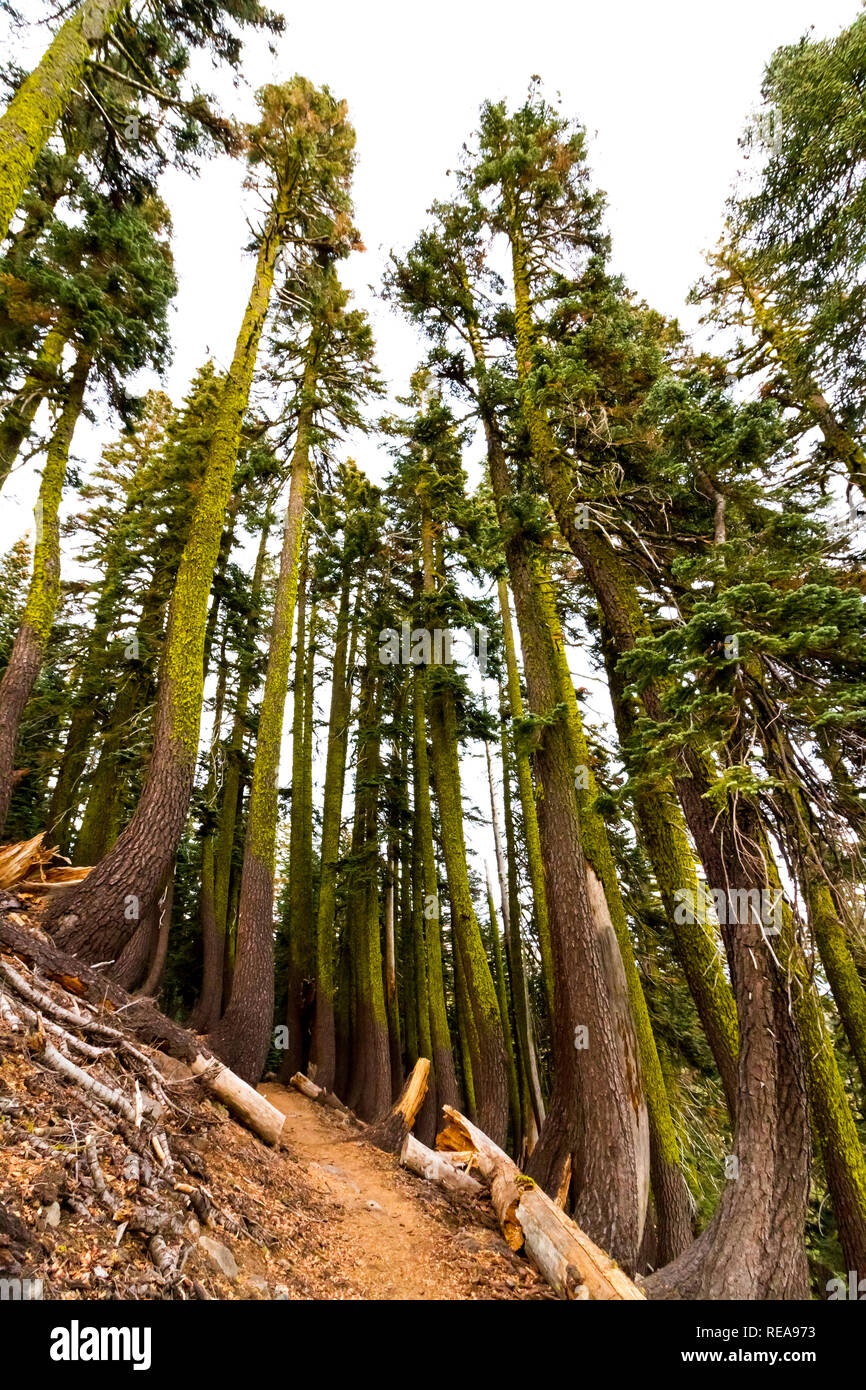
325, 1217
396, 1236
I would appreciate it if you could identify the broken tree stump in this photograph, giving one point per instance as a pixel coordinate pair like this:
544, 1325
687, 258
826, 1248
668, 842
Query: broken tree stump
390, 1132
573, 1265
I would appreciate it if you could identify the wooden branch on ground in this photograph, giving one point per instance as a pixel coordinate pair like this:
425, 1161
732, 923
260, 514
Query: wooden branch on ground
571, 1263
389, 1132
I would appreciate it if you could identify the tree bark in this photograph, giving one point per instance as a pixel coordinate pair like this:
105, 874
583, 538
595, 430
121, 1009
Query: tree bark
31, 640
40, 101
324, 1038
98, 918
485, 1035
243, 1035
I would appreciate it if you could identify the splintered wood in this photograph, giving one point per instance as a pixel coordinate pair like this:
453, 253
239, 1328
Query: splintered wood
22, 865
389, 1132
17, 860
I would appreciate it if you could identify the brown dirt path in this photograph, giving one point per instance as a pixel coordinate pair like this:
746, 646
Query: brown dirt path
402, 1238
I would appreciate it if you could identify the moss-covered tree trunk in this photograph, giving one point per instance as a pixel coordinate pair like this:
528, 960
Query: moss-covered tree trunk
108, 792
785, 346
422, 1044
770, 1193
838, 1141
25, 661
299, 918
487, 1045
41, 99
66, 793
370, 1088
526, 794
754, 1246
233, 782
662, 832
531, 1099
392, 810
429, 971
207, 1006
96, 918
324, 1039
594, 1132
21, 411
502, 995
243, 1035
755, 1243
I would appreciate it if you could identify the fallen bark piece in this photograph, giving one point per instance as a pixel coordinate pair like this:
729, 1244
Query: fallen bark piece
389, 1132
573, 1265
243, 1100
443, 1169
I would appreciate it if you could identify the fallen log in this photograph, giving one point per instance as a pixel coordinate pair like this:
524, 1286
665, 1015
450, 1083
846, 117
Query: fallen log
389, 1132
309, 1089
444, 1169
141, 1018
243, 1100
572, 1264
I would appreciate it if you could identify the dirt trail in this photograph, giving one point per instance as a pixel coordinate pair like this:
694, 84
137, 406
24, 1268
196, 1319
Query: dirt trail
404, 1240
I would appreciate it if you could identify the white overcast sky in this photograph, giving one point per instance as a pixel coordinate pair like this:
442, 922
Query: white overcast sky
664, 89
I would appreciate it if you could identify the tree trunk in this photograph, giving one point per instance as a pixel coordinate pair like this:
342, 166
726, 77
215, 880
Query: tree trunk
324, 1037
243, 1035
21, 411
662, 832
527, 800
40, 101
501, 983
31, 640
430, 976
594, 1125
532, 1103
300, 897
370, 1090
96, 919
486, 1039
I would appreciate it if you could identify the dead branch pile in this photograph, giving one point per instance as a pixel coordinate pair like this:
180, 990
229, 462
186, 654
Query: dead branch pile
119, 1132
